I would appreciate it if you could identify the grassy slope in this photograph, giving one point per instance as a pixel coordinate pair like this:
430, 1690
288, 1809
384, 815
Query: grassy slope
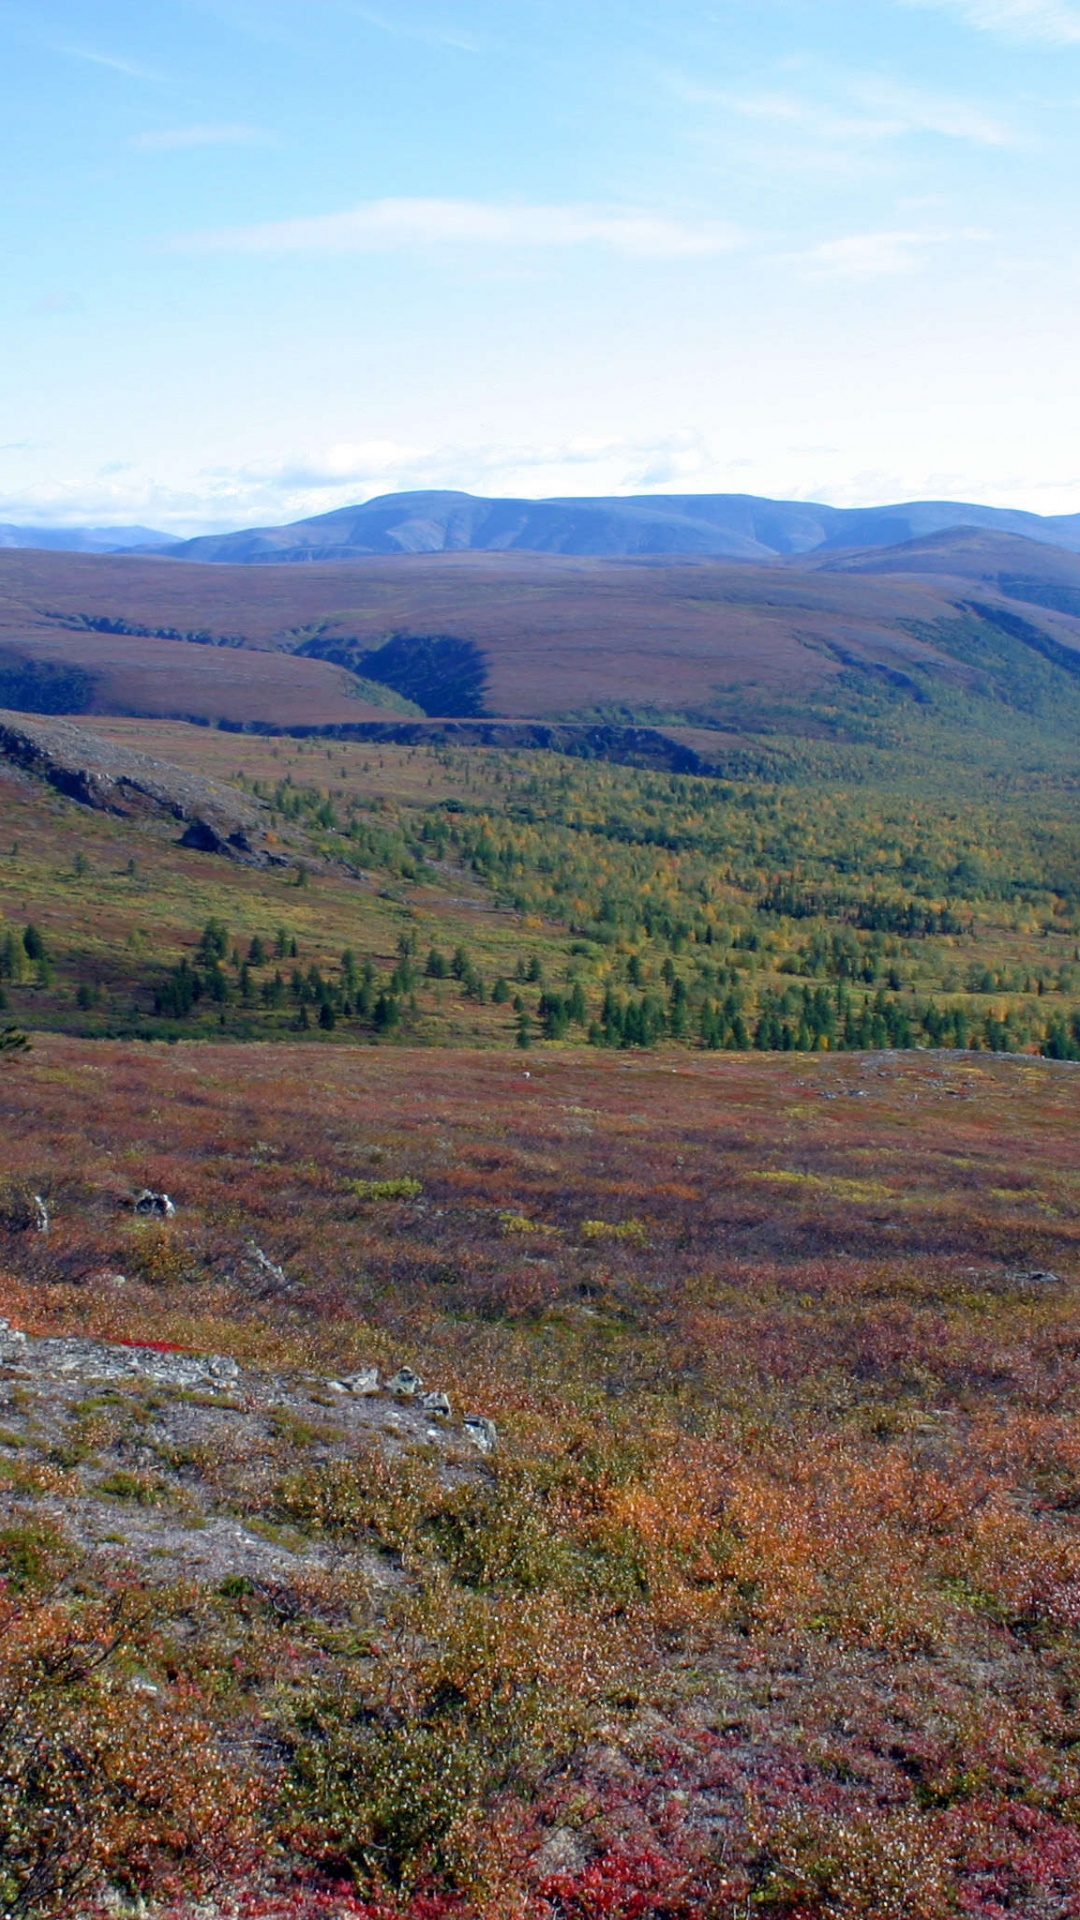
620, 881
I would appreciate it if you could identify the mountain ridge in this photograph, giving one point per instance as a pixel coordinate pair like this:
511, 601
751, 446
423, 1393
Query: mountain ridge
86, 539
707, 526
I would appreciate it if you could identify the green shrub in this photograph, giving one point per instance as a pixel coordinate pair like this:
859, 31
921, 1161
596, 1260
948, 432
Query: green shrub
404, 1189
633, 1230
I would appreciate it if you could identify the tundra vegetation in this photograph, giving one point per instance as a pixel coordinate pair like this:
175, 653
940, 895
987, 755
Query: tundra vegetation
767, 1600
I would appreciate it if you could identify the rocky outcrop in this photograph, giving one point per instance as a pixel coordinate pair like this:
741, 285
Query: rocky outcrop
149, 1490
73, 1357
631, 746
103, 1360
116, 779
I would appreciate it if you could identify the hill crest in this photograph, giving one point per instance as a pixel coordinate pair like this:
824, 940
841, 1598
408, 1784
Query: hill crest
707, 526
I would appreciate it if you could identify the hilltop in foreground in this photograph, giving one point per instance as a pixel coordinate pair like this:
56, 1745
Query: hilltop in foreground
766, 1598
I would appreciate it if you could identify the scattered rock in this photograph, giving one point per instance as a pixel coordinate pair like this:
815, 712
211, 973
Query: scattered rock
198, 1407
564, 1851
1034, 1277
154, 1204
41, 1213
221, 1366
271, 1277
12, 1342
482, 1432
364, 1382
406, 1383
437, 1404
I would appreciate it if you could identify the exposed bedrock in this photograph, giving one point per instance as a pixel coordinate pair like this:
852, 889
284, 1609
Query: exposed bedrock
116, 779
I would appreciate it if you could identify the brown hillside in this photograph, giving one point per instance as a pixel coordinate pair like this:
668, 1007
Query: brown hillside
559, 635
171, 678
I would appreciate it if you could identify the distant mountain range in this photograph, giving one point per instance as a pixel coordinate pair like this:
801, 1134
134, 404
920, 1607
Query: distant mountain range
729, 526
724, 526
86, 539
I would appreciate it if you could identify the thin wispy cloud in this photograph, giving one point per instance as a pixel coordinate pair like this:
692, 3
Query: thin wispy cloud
127, 67
403, 224
415, 30
1054, 21
171, 139
869, 110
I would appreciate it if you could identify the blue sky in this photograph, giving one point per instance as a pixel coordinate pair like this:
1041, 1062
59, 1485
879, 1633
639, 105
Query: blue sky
265, 257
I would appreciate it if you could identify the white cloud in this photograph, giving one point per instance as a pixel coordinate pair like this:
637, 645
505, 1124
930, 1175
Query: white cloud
390, 225
317, 481
1054, 21
294, 486
872, 256
169, 139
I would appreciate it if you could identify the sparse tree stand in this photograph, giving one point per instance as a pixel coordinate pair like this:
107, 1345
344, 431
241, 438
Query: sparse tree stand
14, 965
38, 954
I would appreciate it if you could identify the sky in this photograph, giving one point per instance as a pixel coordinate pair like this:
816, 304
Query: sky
265, 258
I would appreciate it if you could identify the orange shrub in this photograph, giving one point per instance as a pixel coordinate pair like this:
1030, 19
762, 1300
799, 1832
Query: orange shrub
106, 1776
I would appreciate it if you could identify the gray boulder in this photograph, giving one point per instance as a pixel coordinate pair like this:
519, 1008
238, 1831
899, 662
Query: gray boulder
363, 1383
271, 1277
153, 1205
12, 1342
406, 1383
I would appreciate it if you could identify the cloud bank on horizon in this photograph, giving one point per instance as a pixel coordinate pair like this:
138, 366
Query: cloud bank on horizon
272, 256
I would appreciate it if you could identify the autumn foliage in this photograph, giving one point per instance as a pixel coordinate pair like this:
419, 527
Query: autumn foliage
767, 1600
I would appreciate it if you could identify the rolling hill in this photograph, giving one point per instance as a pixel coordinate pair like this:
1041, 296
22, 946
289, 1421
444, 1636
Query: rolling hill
730, 526
829, 643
